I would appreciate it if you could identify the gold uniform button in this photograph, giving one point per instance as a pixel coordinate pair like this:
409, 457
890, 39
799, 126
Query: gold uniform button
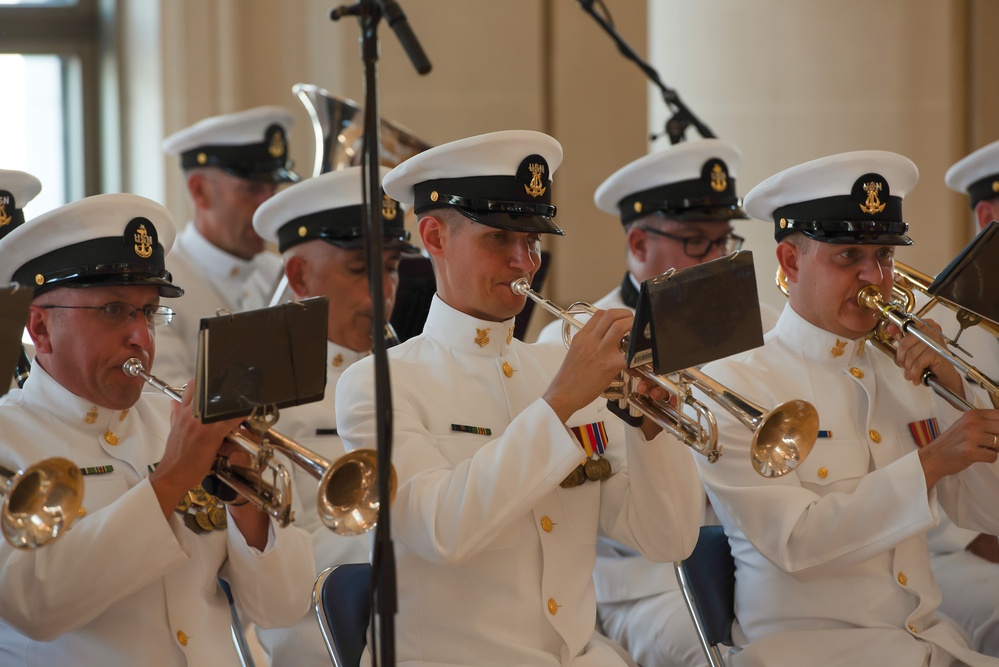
913, 630
507, 369
823, 473
552, 606
875, 436
82, 512
856, 372
110, 438
547, 524
902, 579
182, 638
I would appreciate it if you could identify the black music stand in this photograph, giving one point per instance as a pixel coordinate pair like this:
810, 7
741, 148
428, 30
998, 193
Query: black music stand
969, 281
689, 317
269, 357
14, 303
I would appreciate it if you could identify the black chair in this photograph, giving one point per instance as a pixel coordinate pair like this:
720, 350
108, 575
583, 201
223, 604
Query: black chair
342, 600
707, 581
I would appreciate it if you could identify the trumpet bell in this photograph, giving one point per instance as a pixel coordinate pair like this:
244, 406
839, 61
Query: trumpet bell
348, 493
40, 503
785, 438
338, 124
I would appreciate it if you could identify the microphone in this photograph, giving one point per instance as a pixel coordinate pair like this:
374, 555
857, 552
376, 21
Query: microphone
400, 25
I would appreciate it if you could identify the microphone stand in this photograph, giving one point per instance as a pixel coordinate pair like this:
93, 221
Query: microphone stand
683, 117
383, 572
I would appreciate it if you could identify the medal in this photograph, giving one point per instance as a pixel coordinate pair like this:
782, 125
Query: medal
593, 470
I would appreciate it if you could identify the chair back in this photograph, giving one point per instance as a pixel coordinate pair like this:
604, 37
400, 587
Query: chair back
342, 600
707, 581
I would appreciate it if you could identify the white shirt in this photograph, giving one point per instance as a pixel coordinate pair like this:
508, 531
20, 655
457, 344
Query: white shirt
313, 426
494, 558
123, 586
832, 558
212, 279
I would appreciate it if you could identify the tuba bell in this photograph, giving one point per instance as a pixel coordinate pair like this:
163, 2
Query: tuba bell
339, 129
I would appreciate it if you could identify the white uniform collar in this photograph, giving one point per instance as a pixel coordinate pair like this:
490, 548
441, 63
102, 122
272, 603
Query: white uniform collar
43, 390
466, 333
818, 344
227, 271
339, 357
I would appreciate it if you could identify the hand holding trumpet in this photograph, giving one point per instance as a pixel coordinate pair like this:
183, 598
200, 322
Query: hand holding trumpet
593, 361
191, 450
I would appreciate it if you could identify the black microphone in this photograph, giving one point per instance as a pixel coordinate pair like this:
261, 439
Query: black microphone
400, 25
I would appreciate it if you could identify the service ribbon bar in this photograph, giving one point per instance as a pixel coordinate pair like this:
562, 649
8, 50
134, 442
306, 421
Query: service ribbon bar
97, 470
924, 432
479, 430
593, 437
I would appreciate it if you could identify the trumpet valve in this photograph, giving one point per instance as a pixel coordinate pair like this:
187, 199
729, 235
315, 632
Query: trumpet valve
618, 389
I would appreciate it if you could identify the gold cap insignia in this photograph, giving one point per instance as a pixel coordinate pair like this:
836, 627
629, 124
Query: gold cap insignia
638, 207
276, 146
389, 210
434, 196
302, 231
4, 218
719, 178
143, 243
39, 279
535, 188
482, 337
873, 203
202, 158
995, 186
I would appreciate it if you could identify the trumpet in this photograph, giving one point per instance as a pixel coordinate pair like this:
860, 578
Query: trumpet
348, 492
39, 503
782, 437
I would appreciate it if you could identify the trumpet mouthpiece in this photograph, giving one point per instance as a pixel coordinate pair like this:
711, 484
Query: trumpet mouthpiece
520, 286
870, 297
132, 367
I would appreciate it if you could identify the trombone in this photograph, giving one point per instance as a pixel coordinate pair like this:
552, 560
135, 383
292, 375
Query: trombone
898, 311
348, 492
782, 437
39, 503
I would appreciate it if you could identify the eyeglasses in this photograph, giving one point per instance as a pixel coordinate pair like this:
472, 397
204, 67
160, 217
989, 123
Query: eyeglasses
119, 312
698, 247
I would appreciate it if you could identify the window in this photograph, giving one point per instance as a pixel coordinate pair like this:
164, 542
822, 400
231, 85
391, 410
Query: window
49, 120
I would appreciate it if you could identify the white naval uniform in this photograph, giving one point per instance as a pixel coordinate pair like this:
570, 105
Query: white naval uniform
639, 601
313, 426
494, 559
970, 584
123, 586
212, 279
832, 560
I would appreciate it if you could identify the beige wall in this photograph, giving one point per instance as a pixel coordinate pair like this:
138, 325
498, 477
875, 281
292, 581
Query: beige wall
786, 80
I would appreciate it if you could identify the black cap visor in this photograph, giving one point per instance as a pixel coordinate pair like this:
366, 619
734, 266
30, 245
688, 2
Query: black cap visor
864, 232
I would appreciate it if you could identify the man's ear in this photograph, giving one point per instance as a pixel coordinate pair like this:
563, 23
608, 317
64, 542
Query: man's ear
38, 329
296, 268
788, 256
985, 212
199, 188
638, 240
433, 233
